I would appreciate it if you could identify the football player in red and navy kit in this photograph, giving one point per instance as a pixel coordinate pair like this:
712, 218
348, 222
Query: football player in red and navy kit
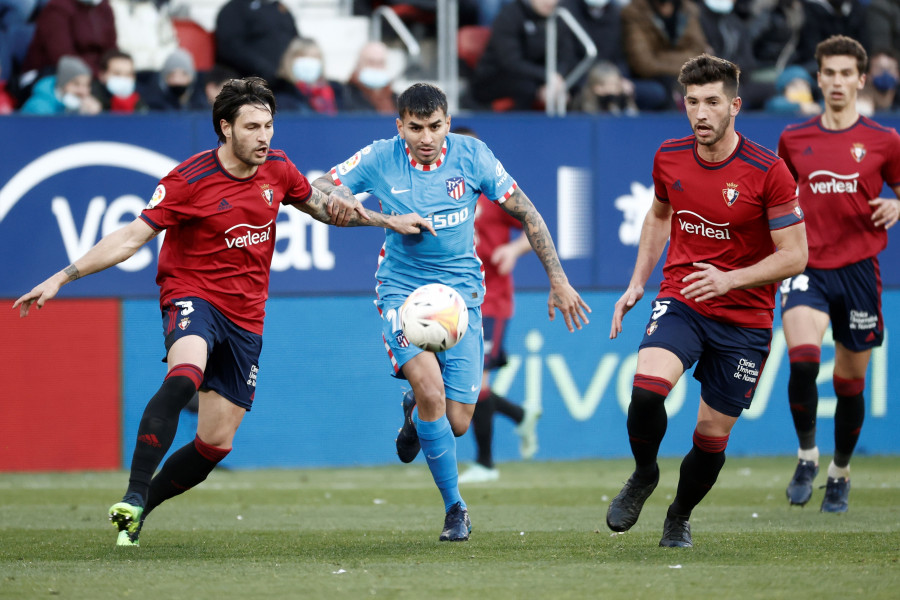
218, 209
729, 210
841, 160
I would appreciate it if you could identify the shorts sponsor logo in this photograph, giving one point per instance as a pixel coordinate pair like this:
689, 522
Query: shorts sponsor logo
746, 371
251, 379
828, 182
862, 319
705, 228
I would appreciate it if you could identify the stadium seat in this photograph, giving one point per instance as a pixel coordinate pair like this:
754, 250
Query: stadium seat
198, 41
471, 40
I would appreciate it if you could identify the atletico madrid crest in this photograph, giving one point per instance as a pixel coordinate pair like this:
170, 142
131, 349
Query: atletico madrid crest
858, 152
730, 193
456, 187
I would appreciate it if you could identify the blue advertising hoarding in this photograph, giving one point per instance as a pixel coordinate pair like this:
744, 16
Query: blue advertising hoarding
67, 182
325, 396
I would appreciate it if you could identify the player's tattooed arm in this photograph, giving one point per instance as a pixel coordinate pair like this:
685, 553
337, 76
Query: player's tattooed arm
520, 207
337, 205
563, 296
72, 272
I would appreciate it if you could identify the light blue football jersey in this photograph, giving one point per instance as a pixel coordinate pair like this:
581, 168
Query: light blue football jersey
445, 193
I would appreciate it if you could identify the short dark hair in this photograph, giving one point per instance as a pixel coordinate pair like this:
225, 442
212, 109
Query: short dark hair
705, 68
841, 45
109, 55
421, 100
237, 93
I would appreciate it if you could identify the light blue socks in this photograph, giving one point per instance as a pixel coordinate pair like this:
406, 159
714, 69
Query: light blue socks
439, 448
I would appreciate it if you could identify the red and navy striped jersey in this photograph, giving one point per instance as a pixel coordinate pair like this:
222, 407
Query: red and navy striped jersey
220, 232
492, 229
837, 173
722, 214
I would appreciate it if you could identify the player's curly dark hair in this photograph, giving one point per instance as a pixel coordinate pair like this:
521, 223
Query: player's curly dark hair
841, 45
421, 100
237, 93
705, 68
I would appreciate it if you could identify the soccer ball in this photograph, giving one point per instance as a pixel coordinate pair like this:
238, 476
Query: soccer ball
434, 317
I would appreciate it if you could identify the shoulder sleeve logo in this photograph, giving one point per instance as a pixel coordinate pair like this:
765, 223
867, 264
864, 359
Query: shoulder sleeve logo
348, 165
158, 196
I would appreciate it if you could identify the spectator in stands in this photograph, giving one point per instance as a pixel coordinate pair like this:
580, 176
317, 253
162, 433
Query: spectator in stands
659, 37
369, 87
730, 38
7, 102
16, 31
794, 88
606, 91
774, 26
215, 80
115, 86
512, 69
301, 85
83, 28
252, 35
602, 20
67, 92
825, 18
174, 89
145, 31
883, 22
881, 82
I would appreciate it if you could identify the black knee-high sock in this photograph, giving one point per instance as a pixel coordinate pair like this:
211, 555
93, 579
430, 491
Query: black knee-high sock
508, 409
699, 471
848, 418
483, 425
159, 424
186, 468
647, 422
803, 394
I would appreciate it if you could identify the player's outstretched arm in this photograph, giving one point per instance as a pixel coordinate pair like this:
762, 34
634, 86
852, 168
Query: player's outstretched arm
562, 295
320, 206
114, 248
654, 235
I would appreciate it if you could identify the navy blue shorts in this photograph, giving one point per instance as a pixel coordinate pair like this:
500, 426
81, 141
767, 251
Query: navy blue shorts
232, 352
494, 336
850, 295
729, 358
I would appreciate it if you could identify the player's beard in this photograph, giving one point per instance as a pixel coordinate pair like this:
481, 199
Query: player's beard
718, 130
246, 153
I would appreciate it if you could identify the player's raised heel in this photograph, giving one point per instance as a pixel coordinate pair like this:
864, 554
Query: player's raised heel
408, 445
457, 525
127, 519
799, 490
625, 508
527, 432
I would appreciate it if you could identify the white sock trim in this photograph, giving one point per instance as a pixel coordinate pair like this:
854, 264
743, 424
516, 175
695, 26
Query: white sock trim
811, 454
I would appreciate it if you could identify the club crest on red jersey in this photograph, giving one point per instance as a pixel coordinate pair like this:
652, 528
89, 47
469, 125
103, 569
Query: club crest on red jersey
858, 152
730, 193
456, 187
268, 193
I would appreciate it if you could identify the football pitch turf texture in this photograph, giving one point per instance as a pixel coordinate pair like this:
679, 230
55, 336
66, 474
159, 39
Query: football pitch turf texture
372, 532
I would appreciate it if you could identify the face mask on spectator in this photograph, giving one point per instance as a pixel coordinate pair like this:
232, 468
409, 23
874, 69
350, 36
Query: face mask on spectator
596, 3
91, 2
884, 82
120, 86
723, 7
178, 90
71, 101
307, 69
374, 78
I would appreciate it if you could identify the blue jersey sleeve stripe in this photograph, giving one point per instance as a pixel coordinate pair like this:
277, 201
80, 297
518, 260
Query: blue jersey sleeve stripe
150, 222
784, 221
200, 176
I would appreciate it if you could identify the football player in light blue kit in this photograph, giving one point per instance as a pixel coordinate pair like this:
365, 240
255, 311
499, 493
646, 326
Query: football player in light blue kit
440, 175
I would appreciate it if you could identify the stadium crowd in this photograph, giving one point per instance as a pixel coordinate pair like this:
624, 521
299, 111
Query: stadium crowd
125, 56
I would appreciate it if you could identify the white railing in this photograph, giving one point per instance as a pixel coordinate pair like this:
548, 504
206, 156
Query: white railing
556, 103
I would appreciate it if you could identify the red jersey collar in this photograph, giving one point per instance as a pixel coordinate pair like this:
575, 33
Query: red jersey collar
432, 166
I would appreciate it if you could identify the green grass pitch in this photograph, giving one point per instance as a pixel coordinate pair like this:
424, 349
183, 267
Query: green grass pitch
539, 532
